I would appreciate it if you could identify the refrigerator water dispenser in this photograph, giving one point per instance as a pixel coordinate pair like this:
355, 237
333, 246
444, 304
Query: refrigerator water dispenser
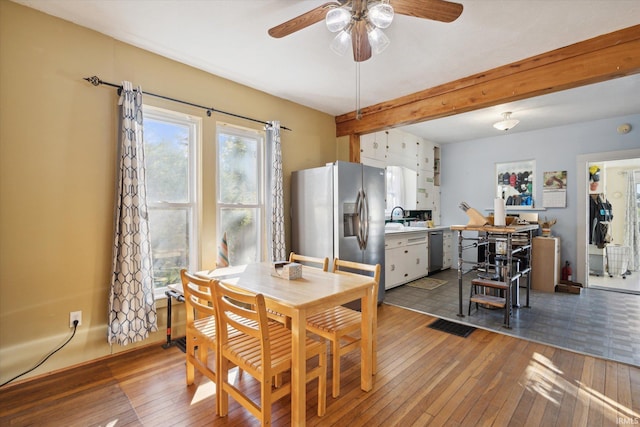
351, 220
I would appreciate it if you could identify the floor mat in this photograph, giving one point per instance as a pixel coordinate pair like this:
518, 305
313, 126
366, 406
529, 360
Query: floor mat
110, 407
452, 328
427, 283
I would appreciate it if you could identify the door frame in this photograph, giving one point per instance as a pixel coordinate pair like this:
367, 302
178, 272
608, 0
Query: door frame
582, 168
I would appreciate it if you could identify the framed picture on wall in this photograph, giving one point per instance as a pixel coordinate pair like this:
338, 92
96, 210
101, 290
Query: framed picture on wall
515, 183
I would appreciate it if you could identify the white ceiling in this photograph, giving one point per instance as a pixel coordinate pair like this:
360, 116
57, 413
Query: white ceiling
229, 38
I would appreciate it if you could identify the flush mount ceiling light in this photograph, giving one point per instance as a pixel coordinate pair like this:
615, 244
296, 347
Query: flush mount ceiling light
506, 123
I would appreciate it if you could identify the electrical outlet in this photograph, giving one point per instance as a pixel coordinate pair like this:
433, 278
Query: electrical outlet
73, 316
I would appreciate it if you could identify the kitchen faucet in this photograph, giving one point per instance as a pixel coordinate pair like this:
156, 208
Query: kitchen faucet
393, 210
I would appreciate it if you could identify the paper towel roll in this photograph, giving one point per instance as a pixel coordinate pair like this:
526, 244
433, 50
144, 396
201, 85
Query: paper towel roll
499, 212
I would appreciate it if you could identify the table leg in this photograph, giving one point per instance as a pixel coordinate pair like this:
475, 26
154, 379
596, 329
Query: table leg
460, 314
368, 305
298, 368
528, 260
508, 275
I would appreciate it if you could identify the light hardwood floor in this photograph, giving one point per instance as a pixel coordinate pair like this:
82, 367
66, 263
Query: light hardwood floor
425, 377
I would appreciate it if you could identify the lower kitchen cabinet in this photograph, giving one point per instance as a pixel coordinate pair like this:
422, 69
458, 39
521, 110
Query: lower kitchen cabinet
406, 258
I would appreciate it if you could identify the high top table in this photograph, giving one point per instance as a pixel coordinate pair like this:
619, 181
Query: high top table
317, 290
494, 233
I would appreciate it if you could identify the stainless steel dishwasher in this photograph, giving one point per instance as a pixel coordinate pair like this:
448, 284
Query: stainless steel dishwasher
435, 251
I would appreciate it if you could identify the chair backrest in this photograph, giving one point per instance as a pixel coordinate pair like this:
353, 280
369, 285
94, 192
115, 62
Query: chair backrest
351, 267
245, 312
198, 296
322, 263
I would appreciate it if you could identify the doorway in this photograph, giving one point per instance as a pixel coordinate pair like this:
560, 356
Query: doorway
610, 200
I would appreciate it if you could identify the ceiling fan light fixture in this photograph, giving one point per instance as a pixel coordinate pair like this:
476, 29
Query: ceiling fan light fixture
378, 40
506, 123
381, 14
337, 19
342, 42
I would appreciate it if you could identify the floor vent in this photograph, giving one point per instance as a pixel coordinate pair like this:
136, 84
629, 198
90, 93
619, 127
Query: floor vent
452, 328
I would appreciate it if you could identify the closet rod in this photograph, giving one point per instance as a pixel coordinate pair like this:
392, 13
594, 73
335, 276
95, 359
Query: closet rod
95, 80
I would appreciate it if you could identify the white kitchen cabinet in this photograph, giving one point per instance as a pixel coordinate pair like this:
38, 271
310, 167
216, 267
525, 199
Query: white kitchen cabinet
402, 149
425, 155
373, 162
374, 146
447, 249
393, 271
398, 148
436, 165
406, 258
435, 212
425, 190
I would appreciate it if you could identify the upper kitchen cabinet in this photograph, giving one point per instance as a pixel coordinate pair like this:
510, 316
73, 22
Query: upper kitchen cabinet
373, 149
408, 151
436, 166
426, 191
402, 149
426, 155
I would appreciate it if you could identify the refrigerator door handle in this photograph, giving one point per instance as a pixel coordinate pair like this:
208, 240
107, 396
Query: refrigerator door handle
364, 220
359, 213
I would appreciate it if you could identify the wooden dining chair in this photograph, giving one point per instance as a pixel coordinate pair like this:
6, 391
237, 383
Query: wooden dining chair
201, 325
262, 349
322, 263
340, 325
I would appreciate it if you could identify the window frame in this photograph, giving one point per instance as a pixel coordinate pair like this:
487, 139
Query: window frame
194, 202
260, 135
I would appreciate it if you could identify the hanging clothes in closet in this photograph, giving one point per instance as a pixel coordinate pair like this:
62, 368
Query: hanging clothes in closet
600, 216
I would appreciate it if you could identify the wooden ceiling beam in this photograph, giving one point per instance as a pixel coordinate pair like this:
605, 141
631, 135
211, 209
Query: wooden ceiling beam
595, 60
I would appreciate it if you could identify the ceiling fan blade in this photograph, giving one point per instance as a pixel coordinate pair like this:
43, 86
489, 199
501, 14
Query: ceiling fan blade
437, 10
360, 42
302, 21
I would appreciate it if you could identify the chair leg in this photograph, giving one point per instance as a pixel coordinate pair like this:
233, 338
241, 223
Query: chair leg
374, 346
222, 396
265, 402
335, 354
322, 383
190, 351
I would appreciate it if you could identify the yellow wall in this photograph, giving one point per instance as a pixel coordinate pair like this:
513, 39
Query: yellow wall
57, 169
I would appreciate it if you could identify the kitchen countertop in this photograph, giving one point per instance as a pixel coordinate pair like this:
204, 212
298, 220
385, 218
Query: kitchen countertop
495, 229
408, 229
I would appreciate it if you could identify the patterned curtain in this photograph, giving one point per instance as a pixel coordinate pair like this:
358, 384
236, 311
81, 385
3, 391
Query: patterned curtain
132, 310
277, 249
631, 224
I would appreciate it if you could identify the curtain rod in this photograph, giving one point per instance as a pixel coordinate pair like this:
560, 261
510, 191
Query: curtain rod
95, 80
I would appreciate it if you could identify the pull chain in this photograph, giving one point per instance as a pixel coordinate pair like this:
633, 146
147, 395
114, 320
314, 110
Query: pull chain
358, 111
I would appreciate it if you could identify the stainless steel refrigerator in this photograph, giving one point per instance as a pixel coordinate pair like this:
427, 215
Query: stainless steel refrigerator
337, 211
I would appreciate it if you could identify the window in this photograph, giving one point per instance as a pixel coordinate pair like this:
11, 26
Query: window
240, 166
171, 141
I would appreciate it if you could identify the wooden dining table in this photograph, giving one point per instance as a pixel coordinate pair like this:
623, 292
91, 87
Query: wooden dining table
317, 290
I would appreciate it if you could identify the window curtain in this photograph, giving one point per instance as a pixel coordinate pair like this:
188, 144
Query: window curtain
132, 311
277, 249
631, 224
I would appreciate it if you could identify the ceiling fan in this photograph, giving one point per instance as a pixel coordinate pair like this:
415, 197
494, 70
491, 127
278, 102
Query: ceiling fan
359, 22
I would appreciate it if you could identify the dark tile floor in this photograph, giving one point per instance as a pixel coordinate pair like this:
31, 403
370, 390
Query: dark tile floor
596, 322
